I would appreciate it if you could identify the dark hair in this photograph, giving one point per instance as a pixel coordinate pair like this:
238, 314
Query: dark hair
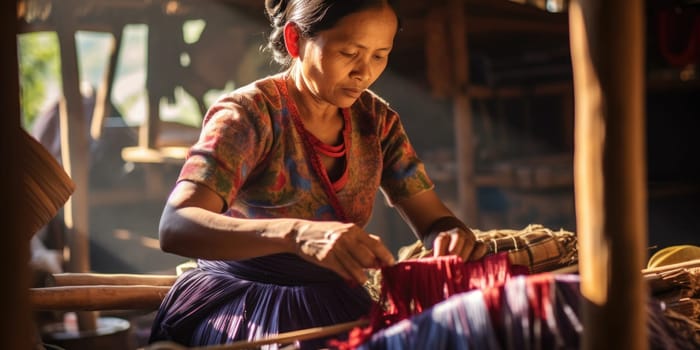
311, 17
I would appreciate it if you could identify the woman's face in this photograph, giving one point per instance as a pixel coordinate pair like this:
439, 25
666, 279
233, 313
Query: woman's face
338, 64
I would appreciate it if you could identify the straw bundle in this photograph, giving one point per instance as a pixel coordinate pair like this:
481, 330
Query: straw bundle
47, 185
678, 286
535, 246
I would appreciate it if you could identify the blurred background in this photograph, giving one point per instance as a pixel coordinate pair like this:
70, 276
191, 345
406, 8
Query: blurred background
147, 70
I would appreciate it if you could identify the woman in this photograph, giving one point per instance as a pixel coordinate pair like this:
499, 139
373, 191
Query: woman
293, 161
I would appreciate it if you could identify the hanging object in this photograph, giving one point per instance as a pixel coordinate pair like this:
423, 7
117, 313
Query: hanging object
48, 186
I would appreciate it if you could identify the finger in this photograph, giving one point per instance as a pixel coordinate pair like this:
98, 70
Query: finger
480, 249
320, 253
334, 264
458, 242
360, 252
350, 266
378, 250
441, 245
347, 245
467, 249
348, 254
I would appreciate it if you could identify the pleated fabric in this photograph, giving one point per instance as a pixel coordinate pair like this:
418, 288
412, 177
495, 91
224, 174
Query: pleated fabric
461, 323
225, 301
533, 312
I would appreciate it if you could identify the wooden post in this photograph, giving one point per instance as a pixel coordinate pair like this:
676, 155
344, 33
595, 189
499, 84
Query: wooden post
610, 171
148, 132
464, 139
75, 154
164, 38
104, 92
16, 326
162, 50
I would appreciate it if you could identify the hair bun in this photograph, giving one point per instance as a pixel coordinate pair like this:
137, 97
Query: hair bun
275, 7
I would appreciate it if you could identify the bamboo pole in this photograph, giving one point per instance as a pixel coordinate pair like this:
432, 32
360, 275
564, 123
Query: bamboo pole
607, 54
95, 298
88, 279
466, 185
695, 263
282, 338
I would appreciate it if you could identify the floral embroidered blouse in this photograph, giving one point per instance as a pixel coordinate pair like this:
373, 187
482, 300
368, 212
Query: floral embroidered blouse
252, 155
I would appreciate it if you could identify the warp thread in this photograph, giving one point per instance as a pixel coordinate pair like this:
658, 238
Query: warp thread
412, 286
527, 312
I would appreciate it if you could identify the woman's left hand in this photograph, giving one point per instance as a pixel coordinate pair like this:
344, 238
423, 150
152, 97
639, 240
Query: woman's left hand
460, 242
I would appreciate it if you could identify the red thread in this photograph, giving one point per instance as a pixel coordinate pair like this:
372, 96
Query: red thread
538, 290
412, 286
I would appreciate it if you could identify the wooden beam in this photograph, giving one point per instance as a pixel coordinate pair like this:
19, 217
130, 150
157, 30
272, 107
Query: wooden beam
87, 279
148, 132
485, 92
607, 49
508, 8
165, 40
485, 26
75, 150
462, 109
438, 53
104, 92
16, 326
49, 26
96, 298
477, 26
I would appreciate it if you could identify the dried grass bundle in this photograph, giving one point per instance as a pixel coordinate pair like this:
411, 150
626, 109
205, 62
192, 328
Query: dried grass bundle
47, 185
535, 246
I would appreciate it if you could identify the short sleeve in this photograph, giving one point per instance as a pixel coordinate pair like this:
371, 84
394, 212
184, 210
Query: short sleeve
403, 173
232, 142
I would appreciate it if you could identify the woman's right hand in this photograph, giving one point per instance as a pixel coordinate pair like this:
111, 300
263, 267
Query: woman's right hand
343, 248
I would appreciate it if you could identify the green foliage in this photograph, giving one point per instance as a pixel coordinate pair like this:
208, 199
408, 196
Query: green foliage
38, 70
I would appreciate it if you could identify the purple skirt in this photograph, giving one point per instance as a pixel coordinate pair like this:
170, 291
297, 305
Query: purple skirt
225, 301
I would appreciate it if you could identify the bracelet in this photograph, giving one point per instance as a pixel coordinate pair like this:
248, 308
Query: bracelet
442, 224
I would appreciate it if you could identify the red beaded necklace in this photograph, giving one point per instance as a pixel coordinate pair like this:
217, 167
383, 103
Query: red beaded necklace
313, 146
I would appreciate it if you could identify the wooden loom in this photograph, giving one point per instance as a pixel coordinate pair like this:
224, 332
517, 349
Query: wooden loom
609, 176
87, 292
